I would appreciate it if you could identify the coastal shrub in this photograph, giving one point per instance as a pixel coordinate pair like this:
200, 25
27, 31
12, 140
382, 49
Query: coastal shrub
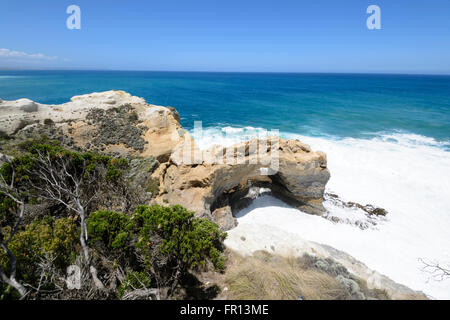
156, 242
209, 239
4, 135
76, 162
115, 168
41, 239
184, 241
25, 145
49, 122
111, 228
7, 208
21, 165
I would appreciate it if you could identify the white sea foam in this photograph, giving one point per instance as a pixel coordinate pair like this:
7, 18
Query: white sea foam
407, 174
226, 136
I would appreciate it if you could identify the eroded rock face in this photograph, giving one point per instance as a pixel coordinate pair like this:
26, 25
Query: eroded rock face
224, 218
112, 122
208, 186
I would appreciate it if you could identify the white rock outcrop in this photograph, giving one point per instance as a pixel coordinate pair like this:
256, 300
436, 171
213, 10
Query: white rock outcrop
159, 125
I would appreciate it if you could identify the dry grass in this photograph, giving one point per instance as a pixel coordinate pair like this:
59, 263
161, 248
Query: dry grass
267, 277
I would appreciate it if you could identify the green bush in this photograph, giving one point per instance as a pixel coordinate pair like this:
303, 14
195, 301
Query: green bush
172, 232
25, 145
185, 240
49, 122
4, 135
7, 207
55, 238
209, 241
78, 162
113, 229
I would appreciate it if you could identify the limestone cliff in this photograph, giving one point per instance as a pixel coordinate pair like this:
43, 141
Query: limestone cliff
111, 122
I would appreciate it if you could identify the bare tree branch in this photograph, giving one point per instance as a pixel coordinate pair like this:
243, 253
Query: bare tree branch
9, 190
72, 189
436, 271
142, 294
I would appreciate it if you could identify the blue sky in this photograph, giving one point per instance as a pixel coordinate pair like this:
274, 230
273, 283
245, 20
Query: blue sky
228, 35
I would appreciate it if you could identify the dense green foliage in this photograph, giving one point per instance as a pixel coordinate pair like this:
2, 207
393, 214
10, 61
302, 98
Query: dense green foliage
77, 162
4, 135
175, 231
49, 122
42, 239
113, 229
168, 241
187, 240
7, 206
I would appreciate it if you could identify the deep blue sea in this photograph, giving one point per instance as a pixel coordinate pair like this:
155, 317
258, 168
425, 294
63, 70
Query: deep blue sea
387, 140
339, 105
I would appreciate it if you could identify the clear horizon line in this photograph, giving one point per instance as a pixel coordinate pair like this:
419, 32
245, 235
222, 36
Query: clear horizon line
212, 71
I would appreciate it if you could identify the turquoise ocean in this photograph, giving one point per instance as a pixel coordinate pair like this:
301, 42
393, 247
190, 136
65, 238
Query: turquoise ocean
338, 105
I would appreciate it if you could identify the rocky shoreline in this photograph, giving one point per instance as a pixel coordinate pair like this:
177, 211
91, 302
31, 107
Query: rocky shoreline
216, 185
